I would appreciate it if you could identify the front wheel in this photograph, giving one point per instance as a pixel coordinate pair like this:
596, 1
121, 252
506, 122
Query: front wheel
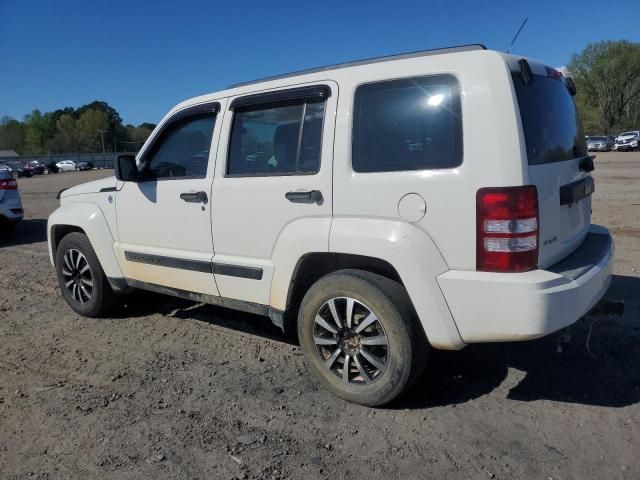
360, 336
83, 283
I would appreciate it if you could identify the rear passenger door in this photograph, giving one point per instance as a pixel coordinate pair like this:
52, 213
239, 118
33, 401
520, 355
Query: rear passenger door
273, 172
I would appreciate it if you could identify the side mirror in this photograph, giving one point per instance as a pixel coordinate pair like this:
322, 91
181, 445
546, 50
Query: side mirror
126, 168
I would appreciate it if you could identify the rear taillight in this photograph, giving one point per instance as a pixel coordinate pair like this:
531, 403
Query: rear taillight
507, 229
8, 184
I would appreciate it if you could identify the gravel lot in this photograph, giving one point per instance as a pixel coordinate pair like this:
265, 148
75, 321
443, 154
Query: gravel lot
172, 389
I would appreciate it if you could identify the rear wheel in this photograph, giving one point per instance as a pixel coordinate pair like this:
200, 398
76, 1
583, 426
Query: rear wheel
83, 283
360, 338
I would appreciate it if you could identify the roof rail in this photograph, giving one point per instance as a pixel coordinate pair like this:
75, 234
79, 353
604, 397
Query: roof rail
386, 58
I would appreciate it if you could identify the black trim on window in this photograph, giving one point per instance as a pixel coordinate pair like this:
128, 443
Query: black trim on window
187, 113
302, 93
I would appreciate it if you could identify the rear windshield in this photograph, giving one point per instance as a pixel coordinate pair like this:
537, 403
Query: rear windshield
552, 127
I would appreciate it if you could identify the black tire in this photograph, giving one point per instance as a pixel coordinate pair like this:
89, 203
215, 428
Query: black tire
101, 300
404, 353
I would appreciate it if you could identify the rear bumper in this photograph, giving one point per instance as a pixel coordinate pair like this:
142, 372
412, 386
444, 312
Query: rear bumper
11, 209
499, 307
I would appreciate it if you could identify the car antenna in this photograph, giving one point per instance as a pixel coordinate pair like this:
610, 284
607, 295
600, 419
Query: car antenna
517, 33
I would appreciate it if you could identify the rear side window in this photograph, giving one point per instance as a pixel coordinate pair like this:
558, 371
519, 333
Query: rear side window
283, 138
552, 127
408, 124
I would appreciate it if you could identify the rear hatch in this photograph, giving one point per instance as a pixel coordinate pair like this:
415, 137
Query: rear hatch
559, 165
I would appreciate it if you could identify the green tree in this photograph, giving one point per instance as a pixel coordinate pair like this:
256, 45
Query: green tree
66, 138
607, 76
11, 134
88, 128
39, 129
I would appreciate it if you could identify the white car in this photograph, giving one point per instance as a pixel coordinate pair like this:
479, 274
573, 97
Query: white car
628, 141
379, 208
66, 165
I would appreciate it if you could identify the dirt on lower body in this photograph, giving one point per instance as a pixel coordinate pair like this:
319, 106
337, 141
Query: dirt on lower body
172, 389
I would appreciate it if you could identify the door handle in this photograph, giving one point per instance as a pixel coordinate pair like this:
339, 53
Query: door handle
194, 197
312, 196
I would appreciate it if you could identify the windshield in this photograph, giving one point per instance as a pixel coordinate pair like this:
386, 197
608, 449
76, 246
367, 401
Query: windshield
628, 134
552, 128
597, 139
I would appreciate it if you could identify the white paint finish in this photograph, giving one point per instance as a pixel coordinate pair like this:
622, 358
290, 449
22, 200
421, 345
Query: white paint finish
66, 165
305, 235
90, 218
254, 225
495, 307
412, 207
247, 289
416, 259
89, 187
250, 213
562, 228
492, 155
153, 218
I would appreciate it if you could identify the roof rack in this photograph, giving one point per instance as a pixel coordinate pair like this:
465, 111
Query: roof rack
386, 58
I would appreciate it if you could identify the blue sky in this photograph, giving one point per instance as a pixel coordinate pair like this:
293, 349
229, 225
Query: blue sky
144, 57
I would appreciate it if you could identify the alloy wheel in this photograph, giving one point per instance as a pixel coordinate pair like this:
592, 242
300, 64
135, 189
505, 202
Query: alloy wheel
351, 340
77, 275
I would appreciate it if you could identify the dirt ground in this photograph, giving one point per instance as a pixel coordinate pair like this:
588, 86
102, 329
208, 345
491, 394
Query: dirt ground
172, 389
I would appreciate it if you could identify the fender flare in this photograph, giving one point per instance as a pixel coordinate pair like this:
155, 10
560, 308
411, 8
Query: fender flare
92, 221
418, 262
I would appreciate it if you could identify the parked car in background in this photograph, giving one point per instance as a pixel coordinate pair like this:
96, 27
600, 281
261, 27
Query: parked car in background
84, 165
37, 167
10, 203
66, 165
51, 167
599, 144
16, 169
357, 248
628, 141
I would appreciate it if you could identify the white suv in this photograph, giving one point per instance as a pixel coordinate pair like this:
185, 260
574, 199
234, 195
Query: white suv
628, 141
378, 207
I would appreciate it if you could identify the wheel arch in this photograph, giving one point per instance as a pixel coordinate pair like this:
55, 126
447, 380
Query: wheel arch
393, 249
88, 219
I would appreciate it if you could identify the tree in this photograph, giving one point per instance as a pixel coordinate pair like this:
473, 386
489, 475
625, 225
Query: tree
88, 127
38, 129
11, 135
66, 137
607, 76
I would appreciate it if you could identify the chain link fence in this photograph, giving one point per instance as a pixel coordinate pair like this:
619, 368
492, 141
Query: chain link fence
99, 160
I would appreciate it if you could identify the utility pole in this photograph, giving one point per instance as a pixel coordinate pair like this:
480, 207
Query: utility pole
102, 132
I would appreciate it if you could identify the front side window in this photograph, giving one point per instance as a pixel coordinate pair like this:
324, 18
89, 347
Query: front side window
407, 124
182, 150
276, 139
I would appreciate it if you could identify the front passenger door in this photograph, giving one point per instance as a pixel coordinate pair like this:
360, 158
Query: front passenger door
164, 219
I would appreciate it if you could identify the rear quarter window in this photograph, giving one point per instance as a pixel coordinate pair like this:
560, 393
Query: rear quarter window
407, 124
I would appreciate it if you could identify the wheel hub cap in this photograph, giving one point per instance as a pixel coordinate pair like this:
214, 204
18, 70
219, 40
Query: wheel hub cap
77, 276
351, 340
